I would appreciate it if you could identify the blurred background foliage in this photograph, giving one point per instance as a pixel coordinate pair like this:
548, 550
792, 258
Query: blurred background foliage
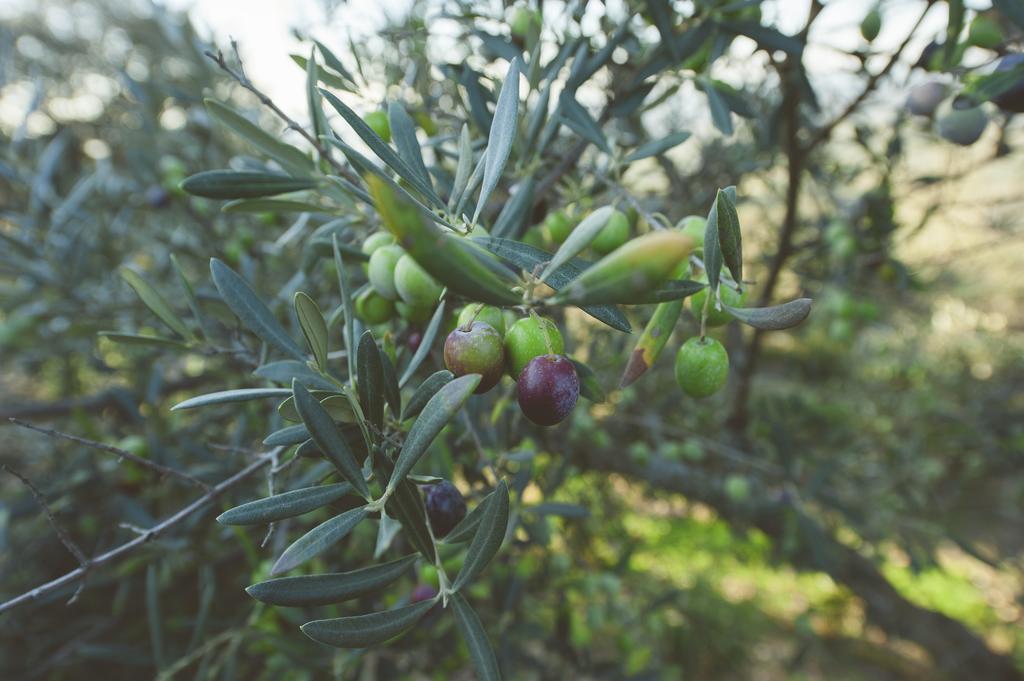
697, 540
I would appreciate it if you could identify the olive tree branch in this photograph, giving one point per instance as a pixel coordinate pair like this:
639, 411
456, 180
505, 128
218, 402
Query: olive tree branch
150, 534
121, 453
64, 537
242, 79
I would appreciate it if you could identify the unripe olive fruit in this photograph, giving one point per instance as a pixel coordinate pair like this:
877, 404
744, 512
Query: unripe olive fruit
1012, 99
378, 122
534, 237
693, 226
528, 338
716, 317
926, 97
559, 226
375, 241
488, 314
381, 270
414, 285
413, 314
612, 235
476, 350
985, 32
737, 488
446, 507
547, 389
961, 126
702, 366
871, 25
373, 308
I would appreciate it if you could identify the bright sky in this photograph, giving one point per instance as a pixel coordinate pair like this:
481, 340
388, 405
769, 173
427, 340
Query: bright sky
263, 29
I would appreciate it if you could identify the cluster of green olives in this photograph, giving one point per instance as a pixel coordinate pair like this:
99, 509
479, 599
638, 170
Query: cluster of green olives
530, 350
559, 224
397, 284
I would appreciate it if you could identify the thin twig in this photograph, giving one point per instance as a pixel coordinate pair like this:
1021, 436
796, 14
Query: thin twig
243, 80
121, 453
64, 537
149, 535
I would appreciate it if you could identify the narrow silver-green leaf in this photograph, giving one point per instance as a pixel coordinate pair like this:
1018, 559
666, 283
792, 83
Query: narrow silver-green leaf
362, 631
370, 381
284, 371
424, 349
464, 168
403, 132
153, 299
655, 147
319, 539
488, 538
381, 149
773, 318
406, 505
140, 339
250, 310
314, 328
310, 590
240, 395
190, 295
287, 436
425, 391
326, 436
729, 237
237, 184
502, 134
284, 505
579, 238
436, 414
289, 157
466, 528
349, 334
480, 649
271, 206
392, 393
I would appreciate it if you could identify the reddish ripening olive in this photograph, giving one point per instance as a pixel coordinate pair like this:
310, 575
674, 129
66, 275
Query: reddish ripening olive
476, 350
413, 340
548, 389
446, 507
423, 592
702, 367
378, 122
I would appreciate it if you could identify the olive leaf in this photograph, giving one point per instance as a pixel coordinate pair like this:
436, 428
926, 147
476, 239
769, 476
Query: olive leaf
425, 391
310, 590
502, 134
438, 411
250, 310
240, 395
425, 343
488, 538
313, 326
319, 539
773, 318
370, 380
290, 158
578, 239
284, 505
362, 631
236, 184
154, 300
326, 436
473, 633
656, 147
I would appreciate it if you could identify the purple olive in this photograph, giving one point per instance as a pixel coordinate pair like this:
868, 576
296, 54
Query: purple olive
476, 350
422, 592
446, 507
548, 389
